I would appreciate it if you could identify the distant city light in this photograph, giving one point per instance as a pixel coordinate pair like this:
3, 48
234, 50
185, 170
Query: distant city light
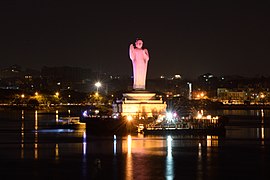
98, 84
177, 76
85, 113
28, 77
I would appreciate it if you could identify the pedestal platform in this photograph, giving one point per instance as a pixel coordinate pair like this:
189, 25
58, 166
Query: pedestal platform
140, 104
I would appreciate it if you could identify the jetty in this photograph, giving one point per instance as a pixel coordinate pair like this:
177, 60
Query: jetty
207, 125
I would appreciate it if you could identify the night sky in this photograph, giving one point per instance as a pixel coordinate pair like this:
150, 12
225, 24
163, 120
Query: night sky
183, 37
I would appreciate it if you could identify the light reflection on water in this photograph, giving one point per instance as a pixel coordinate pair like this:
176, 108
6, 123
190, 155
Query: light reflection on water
249, 127
169, 173
133, 156
22, 135
262, 127
129, 163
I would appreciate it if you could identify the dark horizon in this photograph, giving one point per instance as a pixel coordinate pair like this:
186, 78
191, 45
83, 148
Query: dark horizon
190, 39
100, 73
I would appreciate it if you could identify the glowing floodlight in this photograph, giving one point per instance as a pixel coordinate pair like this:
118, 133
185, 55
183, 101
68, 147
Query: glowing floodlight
169, 116
129, 118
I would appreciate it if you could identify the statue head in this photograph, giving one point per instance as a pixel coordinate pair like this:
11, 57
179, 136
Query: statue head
138, 43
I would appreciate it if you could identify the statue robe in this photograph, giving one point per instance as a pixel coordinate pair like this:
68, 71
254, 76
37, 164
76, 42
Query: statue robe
139, 58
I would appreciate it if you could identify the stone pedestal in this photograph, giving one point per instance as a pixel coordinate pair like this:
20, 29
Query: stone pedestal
140, 104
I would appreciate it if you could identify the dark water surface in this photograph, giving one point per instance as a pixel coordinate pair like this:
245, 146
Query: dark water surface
31, 149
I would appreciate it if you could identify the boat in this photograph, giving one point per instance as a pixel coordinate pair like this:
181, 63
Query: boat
99, 123
70, 122
103, 123
190, 131
199, 125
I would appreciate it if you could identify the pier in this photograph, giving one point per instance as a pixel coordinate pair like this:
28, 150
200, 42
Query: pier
202, 125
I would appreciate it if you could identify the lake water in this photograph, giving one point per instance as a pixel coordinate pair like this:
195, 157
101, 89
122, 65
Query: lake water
29, 148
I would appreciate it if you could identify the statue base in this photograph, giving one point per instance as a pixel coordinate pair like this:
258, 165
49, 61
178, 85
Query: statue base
140, 105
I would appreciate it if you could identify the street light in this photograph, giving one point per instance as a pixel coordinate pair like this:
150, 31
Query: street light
97, 84
189, 90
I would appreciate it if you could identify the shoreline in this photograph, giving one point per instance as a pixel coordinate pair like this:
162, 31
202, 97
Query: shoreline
224, 106
243, 107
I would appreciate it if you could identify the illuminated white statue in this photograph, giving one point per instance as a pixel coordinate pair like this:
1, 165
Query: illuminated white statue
139, 57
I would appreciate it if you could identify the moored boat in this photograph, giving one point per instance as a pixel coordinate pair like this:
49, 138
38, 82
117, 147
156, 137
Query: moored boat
70, 122
201, 125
